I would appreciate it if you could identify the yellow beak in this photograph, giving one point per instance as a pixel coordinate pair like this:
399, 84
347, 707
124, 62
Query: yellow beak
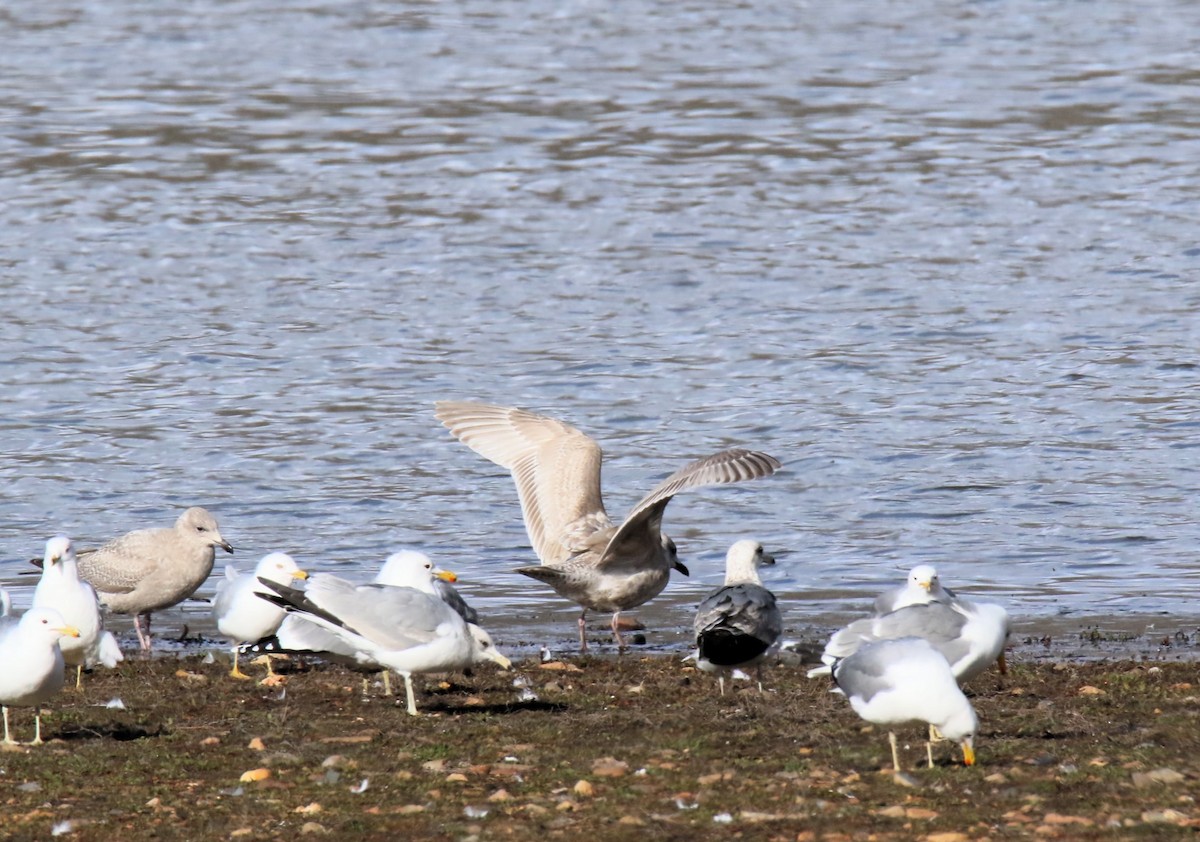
446, 576
504, 662
68, 631
299, 574
968, 754
925, 586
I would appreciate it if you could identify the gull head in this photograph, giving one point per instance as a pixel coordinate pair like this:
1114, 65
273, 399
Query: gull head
48, 623
279, 567
743, 560
485, 650
199, 523
925, 577
58, 549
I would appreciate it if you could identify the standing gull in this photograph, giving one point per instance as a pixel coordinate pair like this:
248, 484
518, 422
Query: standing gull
31, 662
151, 569
241, 615
401, 629
61, 588
585, 556
921, 588
412, 569
893, 682
970, 635
737, 624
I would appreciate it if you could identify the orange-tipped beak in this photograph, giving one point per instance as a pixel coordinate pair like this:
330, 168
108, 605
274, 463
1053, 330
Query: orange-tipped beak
968, 754
446, 576
69, 631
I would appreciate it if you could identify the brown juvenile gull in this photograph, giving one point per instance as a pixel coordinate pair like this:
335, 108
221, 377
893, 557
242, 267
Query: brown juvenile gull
585, 556
738, 623
151, 569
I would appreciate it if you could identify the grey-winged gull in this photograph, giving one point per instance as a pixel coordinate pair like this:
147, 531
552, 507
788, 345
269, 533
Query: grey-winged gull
893, 682
150, 569
920, 588
585, 556
33, 662
402, 629
241, 615
412, 569
970, 635
75, 600
737, 624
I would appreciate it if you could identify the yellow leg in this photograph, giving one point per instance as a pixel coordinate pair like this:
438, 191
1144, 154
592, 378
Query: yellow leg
79, 678
235, 672
895, 752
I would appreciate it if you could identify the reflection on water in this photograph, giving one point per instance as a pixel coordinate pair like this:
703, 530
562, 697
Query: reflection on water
940, 261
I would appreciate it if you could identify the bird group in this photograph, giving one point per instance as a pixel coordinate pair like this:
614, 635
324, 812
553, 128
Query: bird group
903, 664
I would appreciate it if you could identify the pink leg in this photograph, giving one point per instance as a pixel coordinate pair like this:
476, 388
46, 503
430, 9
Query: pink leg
616, 631
143, 636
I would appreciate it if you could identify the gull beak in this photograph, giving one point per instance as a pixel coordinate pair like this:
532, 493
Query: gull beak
768, 559
445, 576
925, 586
299, 574
68, 631
679, 565
493, 655
968, 752
226, 546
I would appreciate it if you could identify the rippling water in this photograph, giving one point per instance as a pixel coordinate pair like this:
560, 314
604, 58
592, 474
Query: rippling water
941, 259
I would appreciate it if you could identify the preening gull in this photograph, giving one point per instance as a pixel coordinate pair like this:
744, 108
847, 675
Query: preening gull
737, 624
970, 635
921, 588
32, 662
892, 682
151, 569
240, 614
61, 588
401, 629
585, 556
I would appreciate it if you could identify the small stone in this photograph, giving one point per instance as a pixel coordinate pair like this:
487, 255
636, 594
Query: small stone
1059, 818
946, 836
715, 777
210, 741
434, 765
996, 778
567, 806
1089, 690
456, 777
631, 821
313, 827
500, 795
584, 789
255, 775
905, 779
920, 813
610, 767
1158, 776
409, 809
193, 677
1167, 816
308, 809
893, 812
559, 666
256, 744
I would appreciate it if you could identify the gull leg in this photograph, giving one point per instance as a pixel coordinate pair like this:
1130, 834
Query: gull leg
79, 678
387, 683
929, 752
408, 692
583, 632
721, 682
758, 674
616, 631
142, 636
1003, 664
37, 728
235, 672
8, 740
895, 751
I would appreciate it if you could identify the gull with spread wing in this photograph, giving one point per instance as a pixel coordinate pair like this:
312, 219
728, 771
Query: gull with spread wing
585, 556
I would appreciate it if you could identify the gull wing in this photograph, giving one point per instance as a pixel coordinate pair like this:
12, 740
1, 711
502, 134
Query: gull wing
556, 469
643, 524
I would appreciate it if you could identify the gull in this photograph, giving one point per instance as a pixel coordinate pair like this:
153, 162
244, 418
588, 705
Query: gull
241, 615
408, 569
412, 569
151, 569
738, 623
970, 635
33, 662
75, 600
892, 682
401, 629
585, 556
921, 588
